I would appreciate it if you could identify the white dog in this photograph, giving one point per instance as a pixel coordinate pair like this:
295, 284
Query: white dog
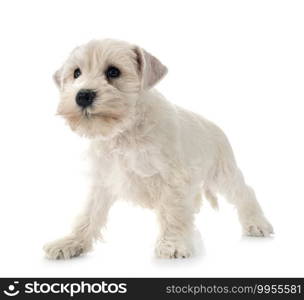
145, 149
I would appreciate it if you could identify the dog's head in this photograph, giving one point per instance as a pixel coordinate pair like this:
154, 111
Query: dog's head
100, 84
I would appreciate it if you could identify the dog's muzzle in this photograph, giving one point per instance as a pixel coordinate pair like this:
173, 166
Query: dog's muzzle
85, 98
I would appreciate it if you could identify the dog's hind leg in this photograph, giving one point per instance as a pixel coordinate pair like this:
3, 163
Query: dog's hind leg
211, 197
86, 229
251, 216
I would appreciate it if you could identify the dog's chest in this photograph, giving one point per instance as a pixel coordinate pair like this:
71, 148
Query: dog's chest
129, 171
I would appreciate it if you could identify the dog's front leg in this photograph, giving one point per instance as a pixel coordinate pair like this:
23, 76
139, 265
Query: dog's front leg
86, 229
176, 228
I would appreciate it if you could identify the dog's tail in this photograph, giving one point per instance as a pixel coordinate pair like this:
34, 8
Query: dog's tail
212, 199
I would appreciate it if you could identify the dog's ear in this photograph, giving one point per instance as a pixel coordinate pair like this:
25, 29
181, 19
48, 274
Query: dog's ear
57, 78
150, 68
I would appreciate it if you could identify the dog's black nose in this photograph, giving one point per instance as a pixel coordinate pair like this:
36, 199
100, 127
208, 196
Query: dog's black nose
85, 98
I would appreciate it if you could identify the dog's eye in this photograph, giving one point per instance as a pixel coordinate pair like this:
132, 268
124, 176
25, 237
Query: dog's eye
112, 72
77, 73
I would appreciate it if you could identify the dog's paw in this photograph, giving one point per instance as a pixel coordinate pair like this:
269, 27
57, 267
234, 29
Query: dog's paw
169, 249
65, 248
257, 226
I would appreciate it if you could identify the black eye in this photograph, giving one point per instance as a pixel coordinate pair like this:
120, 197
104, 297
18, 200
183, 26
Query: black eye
112, 72
77, 73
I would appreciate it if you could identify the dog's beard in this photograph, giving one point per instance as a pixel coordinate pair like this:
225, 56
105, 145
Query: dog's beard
99, 119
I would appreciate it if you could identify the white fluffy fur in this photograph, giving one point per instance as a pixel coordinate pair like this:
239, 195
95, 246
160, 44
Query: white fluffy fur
148, 150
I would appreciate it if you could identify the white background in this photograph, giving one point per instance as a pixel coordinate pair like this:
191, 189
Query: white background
238, 63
